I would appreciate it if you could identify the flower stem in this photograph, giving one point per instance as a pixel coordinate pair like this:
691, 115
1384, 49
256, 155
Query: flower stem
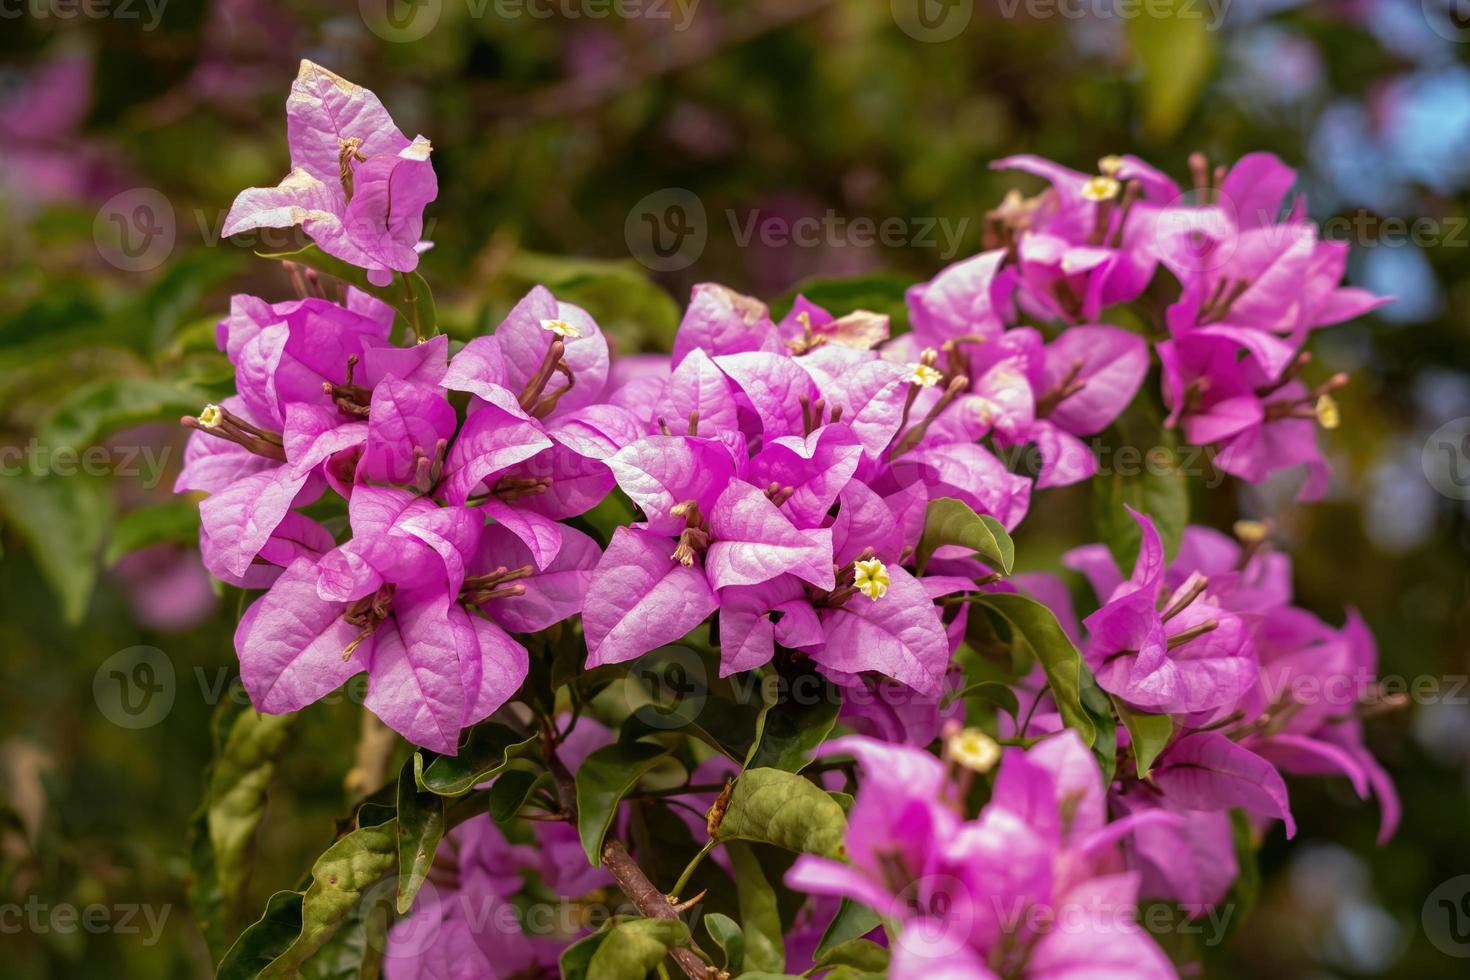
689, 868
649, 901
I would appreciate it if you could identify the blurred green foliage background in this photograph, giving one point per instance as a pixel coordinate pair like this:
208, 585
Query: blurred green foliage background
551, 133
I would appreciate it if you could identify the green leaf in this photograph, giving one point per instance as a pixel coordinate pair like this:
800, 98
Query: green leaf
795, 723
484, 751
1175, 48
863, 955
420, 828
95, 410
729, 937
685, 692
772, 806
633, 948
265, 940
63, 520
952, 522
408, 293
247, 747
340, 880
1100, 710
1149, 734
603, 779
1036, 627
1156, 486
577, 957
765, 949
852, 921
176, 522
511, 791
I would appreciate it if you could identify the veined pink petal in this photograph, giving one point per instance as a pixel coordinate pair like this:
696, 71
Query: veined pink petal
491, 441
290, 644
1207, 771
754, 542
415, 684
640, 598
899, 636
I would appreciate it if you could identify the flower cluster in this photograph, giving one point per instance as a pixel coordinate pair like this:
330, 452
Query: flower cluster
785, 473
1252, 280
1034, 886
1254, 687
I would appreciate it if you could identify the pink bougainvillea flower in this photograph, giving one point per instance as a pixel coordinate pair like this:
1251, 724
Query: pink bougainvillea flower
970, 298
1166, 650
357, 185
1207, 771
1248, 264
1191, 861
722, 321
534, 446
397, 600
1032, 887
756, 536
285, 353
1257, 424
808, 326
1085, 244
467, 924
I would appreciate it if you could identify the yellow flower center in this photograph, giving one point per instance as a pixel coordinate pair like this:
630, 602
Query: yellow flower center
1251, 532
1327, 412
1110, 165
974, 750
870, 578
1101, 189
924, 375
561, 328
211, 416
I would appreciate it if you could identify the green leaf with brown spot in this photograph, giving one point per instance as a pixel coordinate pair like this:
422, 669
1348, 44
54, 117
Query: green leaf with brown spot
772, 806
